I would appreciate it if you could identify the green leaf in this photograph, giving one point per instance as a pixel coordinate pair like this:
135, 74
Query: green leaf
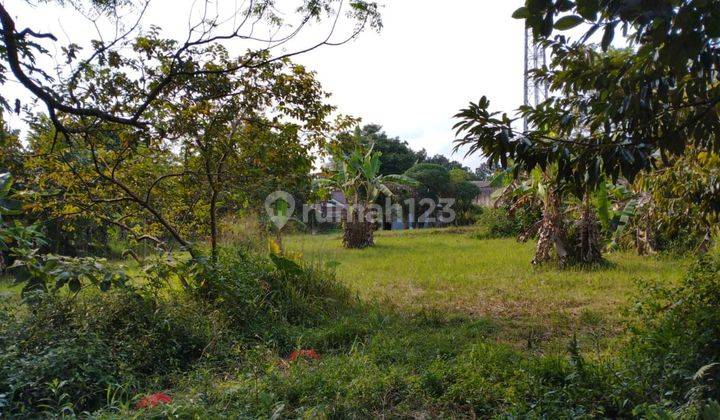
564, 5
603, 204
627, 213
568, 22
521, 13
608, 37
588, 9
547, 24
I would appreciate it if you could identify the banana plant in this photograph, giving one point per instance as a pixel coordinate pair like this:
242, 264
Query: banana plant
617, 205
357, 175
537, 188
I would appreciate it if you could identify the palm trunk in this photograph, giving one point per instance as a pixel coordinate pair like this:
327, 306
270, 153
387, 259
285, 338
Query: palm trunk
358, 234
551, 234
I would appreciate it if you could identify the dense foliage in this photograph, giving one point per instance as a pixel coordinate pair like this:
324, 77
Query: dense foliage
76, 353
615, 115
397, 156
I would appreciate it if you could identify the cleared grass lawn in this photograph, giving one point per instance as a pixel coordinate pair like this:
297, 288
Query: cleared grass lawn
450, 271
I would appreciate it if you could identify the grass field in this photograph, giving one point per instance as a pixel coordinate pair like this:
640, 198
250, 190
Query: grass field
450, 271
446, 326
453, 327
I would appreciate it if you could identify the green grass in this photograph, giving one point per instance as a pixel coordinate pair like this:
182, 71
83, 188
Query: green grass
446, 326
450, 327
450, 271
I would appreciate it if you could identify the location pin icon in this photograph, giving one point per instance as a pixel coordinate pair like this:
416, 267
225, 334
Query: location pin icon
280, 207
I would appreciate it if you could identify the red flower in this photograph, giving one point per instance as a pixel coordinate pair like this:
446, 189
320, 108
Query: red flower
153, 400
307, 354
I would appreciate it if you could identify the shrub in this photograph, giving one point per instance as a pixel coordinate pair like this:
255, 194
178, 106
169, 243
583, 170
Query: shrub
676, 344
87, 345
64, 353
268, 297
500, 223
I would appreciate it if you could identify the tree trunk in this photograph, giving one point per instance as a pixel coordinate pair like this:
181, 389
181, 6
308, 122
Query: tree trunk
551, 234
213, 227
644, 232
590, 247
279, 240
358, 234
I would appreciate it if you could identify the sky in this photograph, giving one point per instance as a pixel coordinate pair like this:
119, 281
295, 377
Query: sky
429, 61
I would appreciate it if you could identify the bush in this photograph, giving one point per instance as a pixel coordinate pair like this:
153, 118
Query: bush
63, 353
269, 297
88, 345
499, 223
225, 356
676, 344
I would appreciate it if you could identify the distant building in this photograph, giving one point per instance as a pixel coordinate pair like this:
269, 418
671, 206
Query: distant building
334, 209
484, 199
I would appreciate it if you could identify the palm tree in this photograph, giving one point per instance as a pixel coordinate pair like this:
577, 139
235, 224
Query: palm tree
536, 189
357, 175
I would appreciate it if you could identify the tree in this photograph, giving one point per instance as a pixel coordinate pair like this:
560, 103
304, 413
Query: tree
466, 193
69, 93
614, 110
434, 184
446, 163
458, 175
8, 207
434, 180
358, 176
120, 114
223, 142
396, 156
485, 172
620, 107
537, 190
11, 149
673, 208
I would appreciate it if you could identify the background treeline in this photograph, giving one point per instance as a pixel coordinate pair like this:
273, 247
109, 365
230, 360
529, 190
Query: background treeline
56, 197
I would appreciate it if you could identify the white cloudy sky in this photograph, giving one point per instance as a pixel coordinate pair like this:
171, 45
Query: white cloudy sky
430, 60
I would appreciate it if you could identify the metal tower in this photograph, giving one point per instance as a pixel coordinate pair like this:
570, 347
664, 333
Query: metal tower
535, 57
